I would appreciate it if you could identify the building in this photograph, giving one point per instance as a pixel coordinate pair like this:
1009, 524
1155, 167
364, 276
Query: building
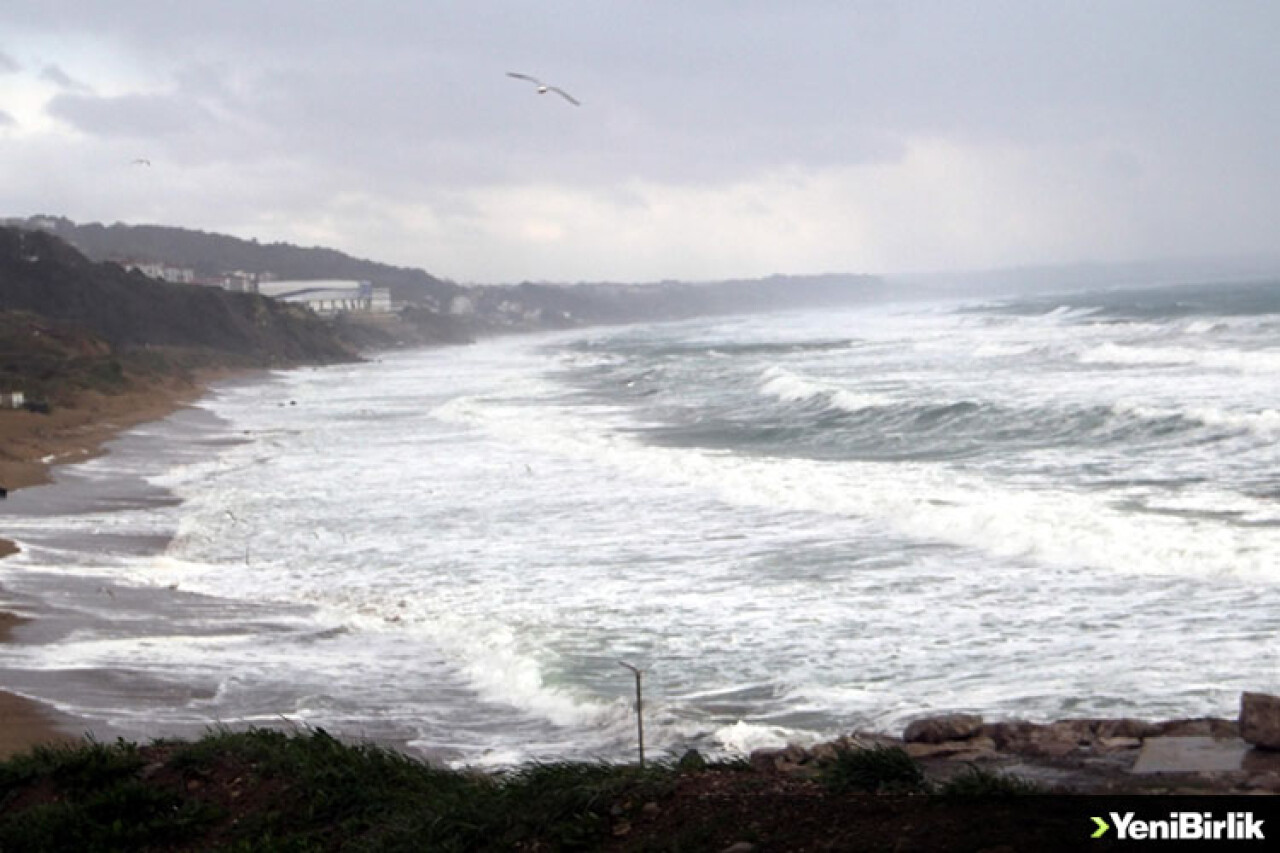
330, 296
163, 272
12, 399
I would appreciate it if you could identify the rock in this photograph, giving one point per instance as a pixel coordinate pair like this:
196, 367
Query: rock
966, 750
1201, 727
1268, 782
824, 753
1012, 736
764, 760
794, 760
1260, 719
740, 847
865, 740
1126, 728
650, 809
943, 728
1116, 744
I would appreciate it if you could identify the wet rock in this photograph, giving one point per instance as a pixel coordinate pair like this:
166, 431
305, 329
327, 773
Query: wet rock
961, 750
1260, 719
1117, 744
943, 728
1268, 782
1199, 727
764, 760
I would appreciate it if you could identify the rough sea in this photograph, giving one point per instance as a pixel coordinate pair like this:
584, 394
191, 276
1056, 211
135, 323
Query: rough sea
797, 525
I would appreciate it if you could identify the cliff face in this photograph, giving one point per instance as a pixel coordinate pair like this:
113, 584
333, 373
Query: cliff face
42, 275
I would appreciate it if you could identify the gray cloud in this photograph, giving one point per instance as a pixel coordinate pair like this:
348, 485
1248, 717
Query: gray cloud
1142, 103
8, 65
7, 120
139, 116
62, 79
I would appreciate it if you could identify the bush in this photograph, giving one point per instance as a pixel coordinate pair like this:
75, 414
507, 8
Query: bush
879, 769
976, 782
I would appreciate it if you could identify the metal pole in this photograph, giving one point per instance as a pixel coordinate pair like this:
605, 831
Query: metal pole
639, 707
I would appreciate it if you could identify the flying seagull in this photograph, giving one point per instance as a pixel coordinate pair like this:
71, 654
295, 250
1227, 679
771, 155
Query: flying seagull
142, 161
543, 88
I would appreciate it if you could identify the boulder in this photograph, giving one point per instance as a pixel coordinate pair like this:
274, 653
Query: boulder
943, 728
1260, 719
960, 750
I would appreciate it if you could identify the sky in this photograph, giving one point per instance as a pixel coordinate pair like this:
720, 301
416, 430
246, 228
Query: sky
715, 139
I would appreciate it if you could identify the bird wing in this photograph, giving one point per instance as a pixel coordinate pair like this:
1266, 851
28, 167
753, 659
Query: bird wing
524, 77
562, 93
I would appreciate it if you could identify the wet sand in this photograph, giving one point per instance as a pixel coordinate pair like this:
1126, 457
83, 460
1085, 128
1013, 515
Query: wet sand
24, 723
30, 444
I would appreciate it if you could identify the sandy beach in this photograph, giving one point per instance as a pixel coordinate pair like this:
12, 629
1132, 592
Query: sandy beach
24, 723
30, 444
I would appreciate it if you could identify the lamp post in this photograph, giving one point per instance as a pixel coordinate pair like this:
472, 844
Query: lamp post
639, 706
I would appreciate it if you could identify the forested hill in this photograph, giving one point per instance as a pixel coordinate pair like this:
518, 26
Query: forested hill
41, 275
214, 254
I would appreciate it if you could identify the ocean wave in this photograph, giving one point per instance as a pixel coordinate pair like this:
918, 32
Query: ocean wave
1245, 361
791, 387
1264, 423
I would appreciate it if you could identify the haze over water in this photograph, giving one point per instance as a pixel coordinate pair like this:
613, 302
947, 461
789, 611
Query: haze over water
800, 525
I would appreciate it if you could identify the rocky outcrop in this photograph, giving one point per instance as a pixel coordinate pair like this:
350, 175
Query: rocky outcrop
1095, 755
1260, 719
943, 728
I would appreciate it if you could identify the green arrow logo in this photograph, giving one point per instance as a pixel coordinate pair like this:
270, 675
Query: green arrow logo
1102, 828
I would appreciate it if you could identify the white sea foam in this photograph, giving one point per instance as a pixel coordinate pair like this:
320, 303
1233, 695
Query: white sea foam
934, 502
1255, 361
452, 547
743, 738
1265, 423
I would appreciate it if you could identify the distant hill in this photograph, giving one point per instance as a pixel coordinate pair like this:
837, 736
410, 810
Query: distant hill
560, 305
443, 312
42, 275
214, 254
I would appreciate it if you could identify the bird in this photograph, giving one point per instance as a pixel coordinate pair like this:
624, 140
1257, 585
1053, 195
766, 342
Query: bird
543, 88
141, 161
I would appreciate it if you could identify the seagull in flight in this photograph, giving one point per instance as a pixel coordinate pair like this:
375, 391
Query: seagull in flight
142, 161
543, 88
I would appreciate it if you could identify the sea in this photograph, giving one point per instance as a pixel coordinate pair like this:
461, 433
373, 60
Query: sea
794, 526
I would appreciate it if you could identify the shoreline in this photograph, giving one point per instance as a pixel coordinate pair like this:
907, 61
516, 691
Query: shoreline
33, 444
1061, 748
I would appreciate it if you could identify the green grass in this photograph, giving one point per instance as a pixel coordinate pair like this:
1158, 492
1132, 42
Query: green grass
304, 792
267, 790
977, 782
876, 770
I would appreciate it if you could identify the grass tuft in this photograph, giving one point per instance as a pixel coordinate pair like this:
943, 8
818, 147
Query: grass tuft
878, 769
977, 782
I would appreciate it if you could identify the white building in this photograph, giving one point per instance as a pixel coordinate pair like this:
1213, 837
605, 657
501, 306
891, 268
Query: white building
12, 399
153, 269
330, 296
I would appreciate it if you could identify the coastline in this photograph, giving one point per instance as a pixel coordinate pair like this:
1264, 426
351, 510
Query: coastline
34, 443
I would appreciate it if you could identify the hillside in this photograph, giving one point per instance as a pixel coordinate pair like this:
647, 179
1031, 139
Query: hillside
42, 275
444, 312
214, 254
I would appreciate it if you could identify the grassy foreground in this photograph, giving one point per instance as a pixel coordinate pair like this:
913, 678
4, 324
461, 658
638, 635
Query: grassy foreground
271, 790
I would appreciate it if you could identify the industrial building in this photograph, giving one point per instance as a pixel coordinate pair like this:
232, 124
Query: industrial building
330, 296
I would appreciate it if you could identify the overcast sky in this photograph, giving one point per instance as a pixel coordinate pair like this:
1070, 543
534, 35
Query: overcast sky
715, 139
